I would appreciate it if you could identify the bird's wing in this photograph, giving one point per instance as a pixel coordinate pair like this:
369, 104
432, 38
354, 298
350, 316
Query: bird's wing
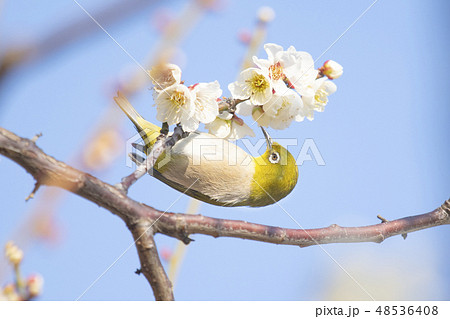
210, 166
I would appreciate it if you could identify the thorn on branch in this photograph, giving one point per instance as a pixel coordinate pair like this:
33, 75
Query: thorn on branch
35, 138
384, 220
186, 240
33, 192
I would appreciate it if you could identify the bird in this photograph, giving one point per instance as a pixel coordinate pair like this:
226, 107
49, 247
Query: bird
217, 171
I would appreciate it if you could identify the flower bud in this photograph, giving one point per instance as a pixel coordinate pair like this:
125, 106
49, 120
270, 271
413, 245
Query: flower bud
10, 293
266, 14
164, 75
34, 285
332, 69
13, 253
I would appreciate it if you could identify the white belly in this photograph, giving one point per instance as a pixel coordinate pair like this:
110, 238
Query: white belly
212, 166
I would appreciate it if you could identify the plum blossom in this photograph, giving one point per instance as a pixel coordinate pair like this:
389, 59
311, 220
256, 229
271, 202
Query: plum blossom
206, 106
291, 67
229, 126
279, 112
175, 104
253, 84
322, 89
188, 106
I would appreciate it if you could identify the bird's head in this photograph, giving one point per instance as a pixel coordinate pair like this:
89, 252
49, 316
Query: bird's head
275, 175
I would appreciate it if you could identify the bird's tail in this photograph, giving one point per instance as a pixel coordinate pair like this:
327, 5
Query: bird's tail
148, 131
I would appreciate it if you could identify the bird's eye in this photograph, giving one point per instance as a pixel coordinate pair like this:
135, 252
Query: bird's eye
274, 158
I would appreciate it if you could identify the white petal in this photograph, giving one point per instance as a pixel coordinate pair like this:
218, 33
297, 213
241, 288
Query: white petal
261, 117
189, 124
260, 98
206, 95
299, 118
262, 63
272, 106
272, 50
329, 87
225, 115
280, 87
240, 131
220, 128
165, 75
238, 91
244, 108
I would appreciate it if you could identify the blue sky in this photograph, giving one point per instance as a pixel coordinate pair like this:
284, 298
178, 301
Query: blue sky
383, 137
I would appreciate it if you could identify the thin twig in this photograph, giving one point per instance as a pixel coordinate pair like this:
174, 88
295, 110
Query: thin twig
163, 144
33, 192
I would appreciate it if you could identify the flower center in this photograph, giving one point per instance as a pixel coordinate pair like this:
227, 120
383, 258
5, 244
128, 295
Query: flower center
276, 71
178, 98
258, 83
321, 97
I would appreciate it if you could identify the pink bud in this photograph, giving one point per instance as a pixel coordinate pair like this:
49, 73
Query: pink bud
332, 69
35, 284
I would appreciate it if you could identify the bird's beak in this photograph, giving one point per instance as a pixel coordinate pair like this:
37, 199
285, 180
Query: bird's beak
268, 138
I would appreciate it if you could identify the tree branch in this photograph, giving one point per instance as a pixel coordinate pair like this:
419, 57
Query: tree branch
151, 265
144, 221
48, 171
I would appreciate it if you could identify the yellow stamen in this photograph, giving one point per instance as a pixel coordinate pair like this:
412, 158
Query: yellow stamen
178, 98
276, 71
258, 83
321, 97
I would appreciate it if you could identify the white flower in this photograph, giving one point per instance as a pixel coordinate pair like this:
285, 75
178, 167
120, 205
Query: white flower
322, 89
332, 69
165, 75
252, 83
283, 109
228, 126
175, 104
206, 106
290, 66
321, 96
278, 112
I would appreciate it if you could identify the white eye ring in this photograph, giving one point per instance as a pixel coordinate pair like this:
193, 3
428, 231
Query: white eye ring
274, 158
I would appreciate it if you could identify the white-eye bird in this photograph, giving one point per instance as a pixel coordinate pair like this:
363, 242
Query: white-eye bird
216, 171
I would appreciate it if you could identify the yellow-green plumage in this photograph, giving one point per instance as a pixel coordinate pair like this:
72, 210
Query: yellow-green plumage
216, 171
273, 182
